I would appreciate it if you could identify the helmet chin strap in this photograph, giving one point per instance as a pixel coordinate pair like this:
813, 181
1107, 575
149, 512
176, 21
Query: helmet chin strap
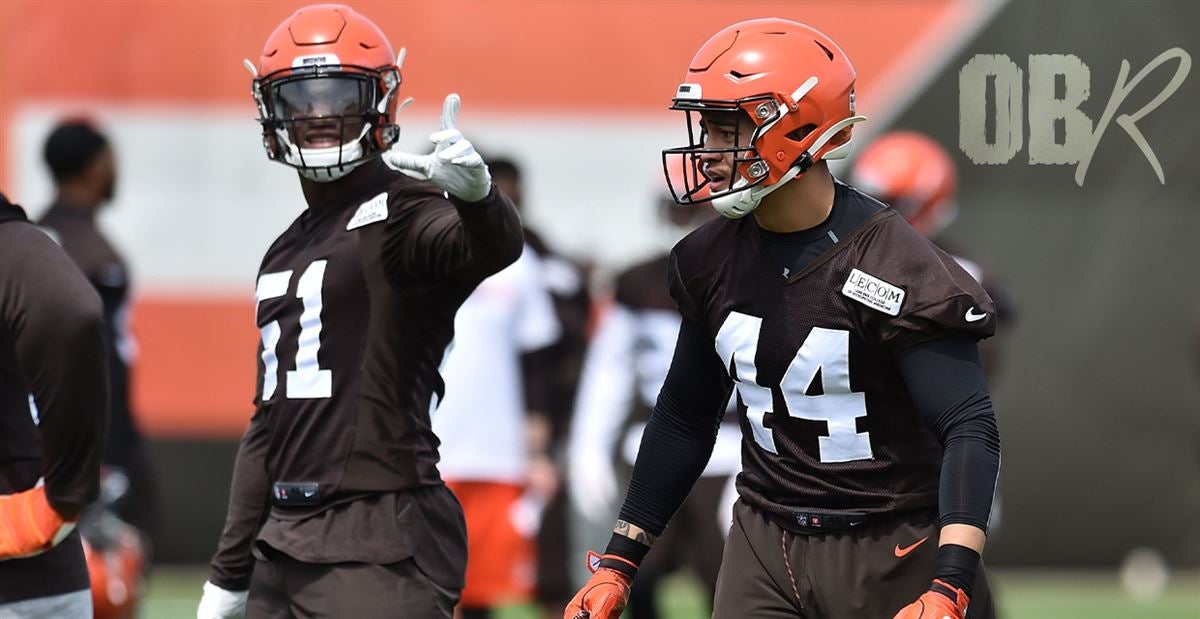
329, 174
743, 200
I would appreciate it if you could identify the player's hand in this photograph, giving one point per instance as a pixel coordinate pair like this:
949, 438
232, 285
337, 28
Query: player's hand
454, 166
28, 525
603, 597
592, 484
941, 602
218, 603
543, 479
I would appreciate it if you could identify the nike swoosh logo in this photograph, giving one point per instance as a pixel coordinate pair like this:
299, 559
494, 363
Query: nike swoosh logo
971, 316
902, 552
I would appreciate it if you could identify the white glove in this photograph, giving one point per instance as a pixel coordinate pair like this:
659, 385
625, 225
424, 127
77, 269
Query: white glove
454, 166
217, 603
593, 485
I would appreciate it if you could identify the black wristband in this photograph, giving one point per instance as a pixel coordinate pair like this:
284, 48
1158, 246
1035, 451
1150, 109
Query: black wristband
631, 551
956, 566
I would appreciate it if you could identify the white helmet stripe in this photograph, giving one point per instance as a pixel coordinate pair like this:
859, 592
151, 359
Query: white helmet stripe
842, 150
799, 93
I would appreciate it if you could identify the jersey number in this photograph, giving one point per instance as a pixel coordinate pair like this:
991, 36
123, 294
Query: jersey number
308, 380
826, 351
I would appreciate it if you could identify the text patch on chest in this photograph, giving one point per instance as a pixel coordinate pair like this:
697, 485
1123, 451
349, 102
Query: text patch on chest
371, 211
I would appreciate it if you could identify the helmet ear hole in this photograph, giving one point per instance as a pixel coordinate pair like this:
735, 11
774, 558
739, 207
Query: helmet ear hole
841, 137
798, 134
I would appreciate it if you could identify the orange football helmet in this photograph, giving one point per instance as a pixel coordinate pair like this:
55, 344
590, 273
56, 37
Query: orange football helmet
794, 84
326, 88
115, 561
914, 175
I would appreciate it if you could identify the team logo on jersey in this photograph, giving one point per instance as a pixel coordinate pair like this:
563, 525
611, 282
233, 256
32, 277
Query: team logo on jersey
371, 211
874, 292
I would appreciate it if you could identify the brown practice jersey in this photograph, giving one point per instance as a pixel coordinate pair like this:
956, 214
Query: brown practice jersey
346, 386
53, 398
355, 303
827, 422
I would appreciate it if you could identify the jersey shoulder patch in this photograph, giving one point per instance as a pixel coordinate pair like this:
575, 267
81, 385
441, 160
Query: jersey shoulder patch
874, 292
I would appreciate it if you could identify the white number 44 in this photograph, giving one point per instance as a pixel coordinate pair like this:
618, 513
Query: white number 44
308, 380
824, 350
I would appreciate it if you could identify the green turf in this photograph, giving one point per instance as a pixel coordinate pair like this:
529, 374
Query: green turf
173, 593
1055, 595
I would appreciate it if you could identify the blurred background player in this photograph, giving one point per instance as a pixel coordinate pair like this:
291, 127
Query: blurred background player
53, 409
337, 508
552, 376
494, 441
83, 165
914, 175
622, 375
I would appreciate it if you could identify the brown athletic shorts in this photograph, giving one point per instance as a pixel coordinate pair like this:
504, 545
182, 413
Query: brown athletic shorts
284, 588
871, 572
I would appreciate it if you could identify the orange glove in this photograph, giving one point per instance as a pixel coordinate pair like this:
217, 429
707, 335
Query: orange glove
941, 602
605, 594
28, 525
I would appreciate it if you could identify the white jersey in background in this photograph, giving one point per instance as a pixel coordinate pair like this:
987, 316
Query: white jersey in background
623, 372
481, 420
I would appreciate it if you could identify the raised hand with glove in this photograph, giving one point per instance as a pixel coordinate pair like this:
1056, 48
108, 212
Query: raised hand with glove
29, 525
218, 603
453, 166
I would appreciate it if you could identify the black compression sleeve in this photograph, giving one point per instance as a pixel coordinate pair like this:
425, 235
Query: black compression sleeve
681, 432
956, 566
948, 388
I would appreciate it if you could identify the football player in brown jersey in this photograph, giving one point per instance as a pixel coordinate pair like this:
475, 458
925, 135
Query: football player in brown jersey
53, 410
870, 449
337, 508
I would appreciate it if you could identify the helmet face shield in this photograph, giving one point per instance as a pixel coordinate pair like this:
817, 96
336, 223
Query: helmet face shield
326, 121
323, 111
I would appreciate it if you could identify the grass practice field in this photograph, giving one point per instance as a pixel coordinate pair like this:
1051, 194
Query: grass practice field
174, 591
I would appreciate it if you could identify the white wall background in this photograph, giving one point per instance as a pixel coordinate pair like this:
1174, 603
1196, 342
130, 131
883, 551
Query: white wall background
198, 202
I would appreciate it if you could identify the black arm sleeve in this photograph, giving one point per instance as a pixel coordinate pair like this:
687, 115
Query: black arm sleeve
679, 437
947, 385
